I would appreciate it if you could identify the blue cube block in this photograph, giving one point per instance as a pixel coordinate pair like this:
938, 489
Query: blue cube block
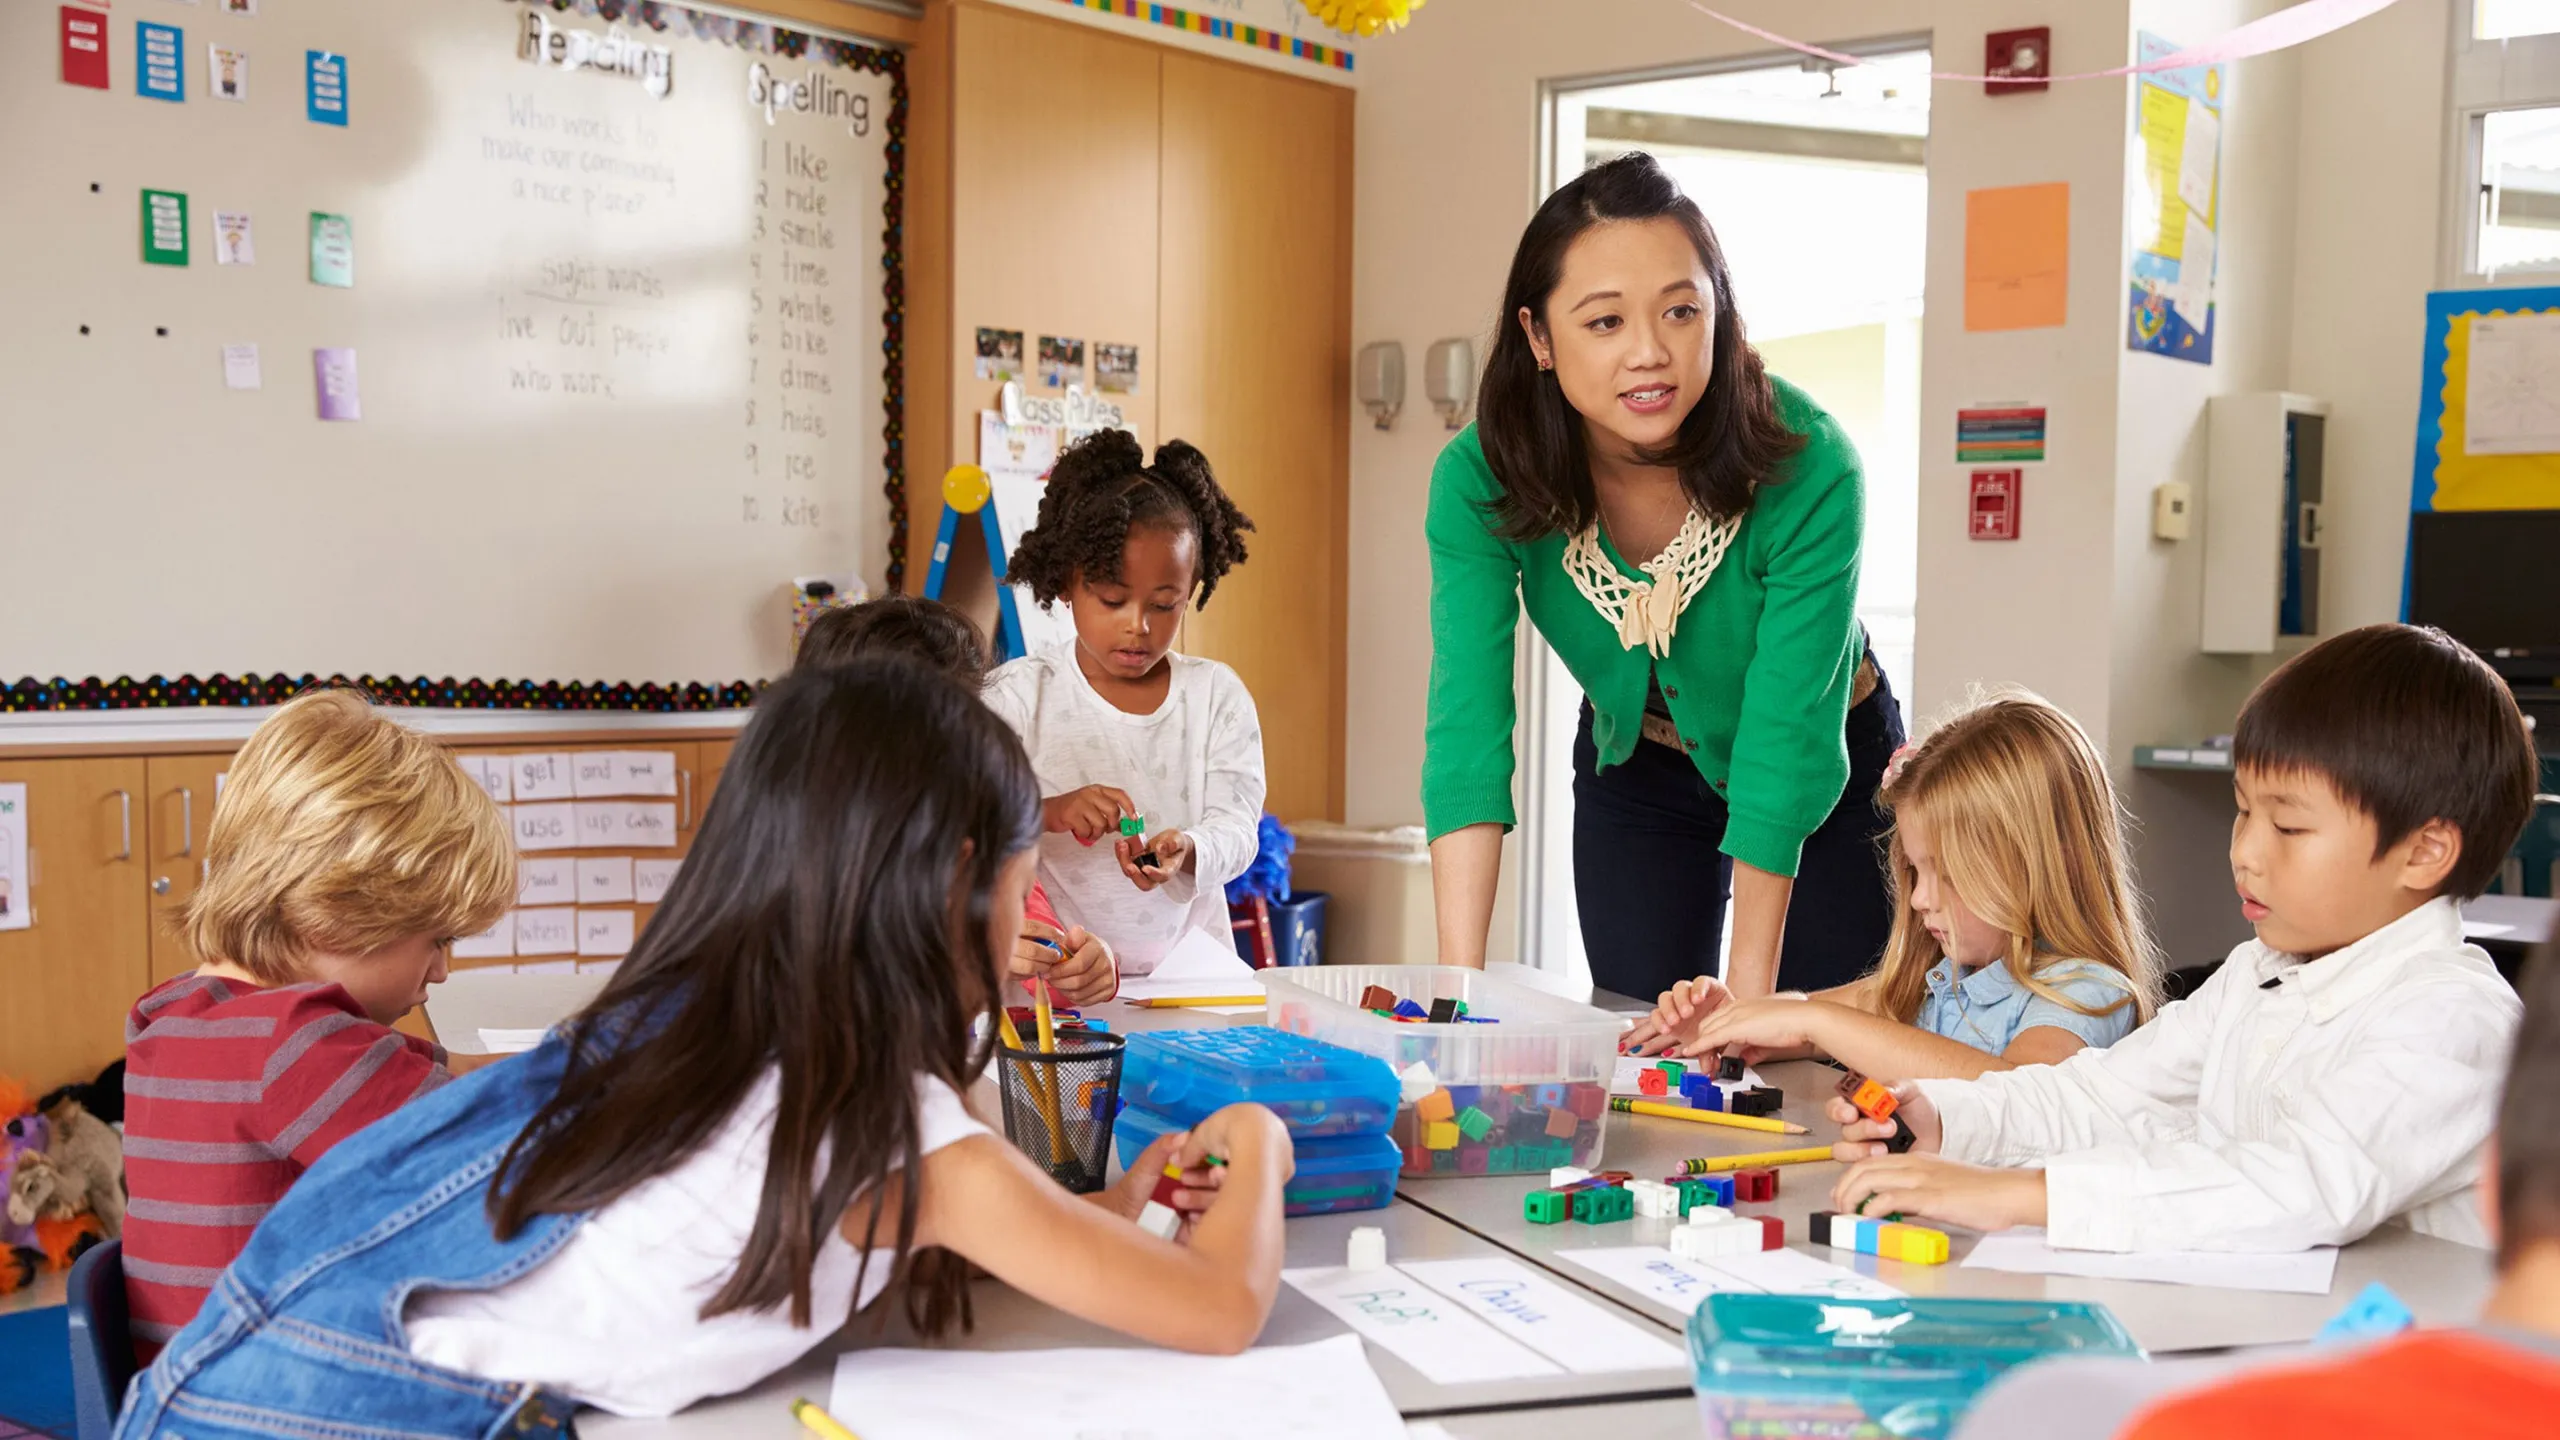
1701, 1093
1466, 1097
1411, 1010
1549, 1096
1721, 1188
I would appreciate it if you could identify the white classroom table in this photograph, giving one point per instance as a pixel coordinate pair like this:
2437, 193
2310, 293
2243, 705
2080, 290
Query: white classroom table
2443, 1283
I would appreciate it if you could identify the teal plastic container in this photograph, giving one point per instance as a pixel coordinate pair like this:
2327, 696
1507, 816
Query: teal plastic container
1353, 1172
1319, 1091
1774, 1366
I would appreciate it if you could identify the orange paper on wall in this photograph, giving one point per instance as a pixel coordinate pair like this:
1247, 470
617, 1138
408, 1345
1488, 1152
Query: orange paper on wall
2017, 256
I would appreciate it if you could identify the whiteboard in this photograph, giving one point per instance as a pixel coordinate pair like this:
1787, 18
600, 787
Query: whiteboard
619, 355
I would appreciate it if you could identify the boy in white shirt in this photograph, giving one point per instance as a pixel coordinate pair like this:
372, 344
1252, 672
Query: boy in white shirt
2338, 1071
1117, 725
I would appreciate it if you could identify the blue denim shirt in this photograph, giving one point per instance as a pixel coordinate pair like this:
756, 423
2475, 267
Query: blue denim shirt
303, 1334
1988, 1009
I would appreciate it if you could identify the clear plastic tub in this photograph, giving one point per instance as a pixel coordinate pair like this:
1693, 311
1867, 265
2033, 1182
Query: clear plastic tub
1318, 1090
1520, 1096
1355, 1172
1771, 1366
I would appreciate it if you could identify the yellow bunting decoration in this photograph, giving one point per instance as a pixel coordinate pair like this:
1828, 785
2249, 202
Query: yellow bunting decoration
1362, 17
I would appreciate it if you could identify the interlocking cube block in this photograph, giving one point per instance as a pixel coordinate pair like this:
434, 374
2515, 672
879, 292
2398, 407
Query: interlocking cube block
1587, 1102
1817, 1227
1711, 1233
1561, 1123
1773, 1231
1377, 997
1655, 1200
1912, 1244
1672, 1070
1752, 1187
1870, 1098
1444, 1012
1444, 1161
1548, 1096
1701, 1093
1652, 1081
1546, 1207
1494, 1101
1730, 1068
1567, 1175
1763, 1101
1440, 1135
1411, 1010
1474, 1123
1436, 1106
1719, 1189
1503, 1159
1463, 1096
1474, 1159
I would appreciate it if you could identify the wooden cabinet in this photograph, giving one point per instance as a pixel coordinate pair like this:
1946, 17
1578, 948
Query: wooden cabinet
175, 820
67, 981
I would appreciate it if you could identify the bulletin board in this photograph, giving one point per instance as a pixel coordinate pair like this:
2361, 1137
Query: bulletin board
577, 341
2489, 413
2177, 224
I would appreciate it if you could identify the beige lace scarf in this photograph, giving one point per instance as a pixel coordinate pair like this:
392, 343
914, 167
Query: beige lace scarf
1647, 611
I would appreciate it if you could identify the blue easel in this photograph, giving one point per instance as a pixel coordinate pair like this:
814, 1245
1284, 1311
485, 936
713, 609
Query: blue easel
966, 491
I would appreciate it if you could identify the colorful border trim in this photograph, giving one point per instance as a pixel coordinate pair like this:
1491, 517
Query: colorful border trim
161, 693
1194, 23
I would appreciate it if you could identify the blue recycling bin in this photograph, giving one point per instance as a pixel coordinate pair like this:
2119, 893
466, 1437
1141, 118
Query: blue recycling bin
1297, 929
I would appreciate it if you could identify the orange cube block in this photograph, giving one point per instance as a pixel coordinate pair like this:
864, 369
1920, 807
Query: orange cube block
1436, 1106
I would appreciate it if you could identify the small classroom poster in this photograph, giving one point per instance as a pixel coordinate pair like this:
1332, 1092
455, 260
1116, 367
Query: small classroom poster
15, 913
84, 48
325, 87
333, 371
333, 250
999, 354
160, 61
1061, 361
1999, 430
1115, 369
164, 227
2177, 215
227, 72
233, 241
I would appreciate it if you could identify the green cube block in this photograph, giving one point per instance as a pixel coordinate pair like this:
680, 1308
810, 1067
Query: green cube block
1504, 1158
1545, 1207
1443, 1159
1133, 825
1474, 1123
1587, 1206
1672, 1070
1622, 1203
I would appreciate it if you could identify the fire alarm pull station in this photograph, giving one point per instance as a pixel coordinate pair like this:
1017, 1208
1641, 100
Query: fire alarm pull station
1995, 504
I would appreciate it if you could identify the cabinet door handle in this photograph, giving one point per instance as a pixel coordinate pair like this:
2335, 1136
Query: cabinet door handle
124, 805
187, 820
687, 777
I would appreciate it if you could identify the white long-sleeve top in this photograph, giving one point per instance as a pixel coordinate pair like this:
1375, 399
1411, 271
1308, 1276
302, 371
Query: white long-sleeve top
2286, 1104
1194, 765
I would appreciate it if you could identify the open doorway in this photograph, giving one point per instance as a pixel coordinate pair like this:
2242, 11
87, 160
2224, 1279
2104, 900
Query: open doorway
1815, 177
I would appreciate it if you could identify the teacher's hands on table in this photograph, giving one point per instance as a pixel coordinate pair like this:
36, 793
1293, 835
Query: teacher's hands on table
1074, 964
1676, 1016
1936, 1188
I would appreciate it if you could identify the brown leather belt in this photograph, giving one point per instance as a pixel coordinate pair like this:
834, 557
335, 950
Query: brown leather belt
1660, 730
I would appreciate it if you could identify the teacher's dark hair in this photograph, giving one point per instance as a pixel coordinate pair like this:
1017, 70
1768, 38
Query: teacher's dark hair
1531, 434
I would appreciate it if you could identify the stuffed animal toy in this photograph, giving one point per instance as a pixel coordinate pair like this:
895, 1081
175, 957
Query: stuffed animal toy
81, 1169
24, 1134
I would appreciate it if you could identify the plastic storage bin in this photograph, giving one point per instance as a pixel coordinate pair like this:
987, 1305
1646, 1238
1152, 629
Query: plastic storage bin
1355, 1172
1518, 1097
1769, 1366
1318, 1090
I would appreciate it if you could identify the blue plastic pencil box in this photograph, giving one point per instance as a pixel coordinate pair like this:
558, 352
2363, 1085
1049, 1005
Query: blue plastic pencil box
1319, 1091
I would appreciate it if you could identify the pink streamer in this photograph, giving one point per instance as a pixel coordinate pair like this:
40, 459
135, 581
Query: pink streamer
2263, 36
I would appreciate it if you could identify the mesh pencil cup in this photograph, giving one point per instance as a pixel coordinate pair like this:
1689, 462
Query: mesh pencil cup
1058, 1108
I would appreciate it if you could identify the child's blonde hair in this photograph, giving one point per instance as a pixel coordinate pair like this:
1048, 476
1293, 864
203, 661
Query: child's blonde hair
340, 831
2030, 835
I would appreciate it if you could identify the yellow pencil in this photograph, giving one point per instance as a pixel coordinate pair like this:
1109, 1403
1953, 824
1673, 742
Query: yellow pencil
1170, 1002
819, 1421
1040, 1091
1048, 1020
1629, 1105
1713, 1163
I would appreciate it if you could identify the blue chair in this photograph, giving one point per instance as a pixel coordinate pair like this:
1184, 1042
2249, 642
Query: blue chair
101, 1339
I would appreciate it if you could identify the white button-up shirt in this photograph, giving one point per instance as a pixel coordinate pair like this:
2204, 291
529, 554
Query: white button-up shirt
2286, 1104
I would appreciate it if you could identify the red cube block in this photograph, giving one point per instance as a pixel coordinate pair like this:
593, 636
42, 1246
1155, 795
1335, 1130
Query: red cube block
1377, 997
1773, 1231
1755, 1185
1652, 1082
1588, 1102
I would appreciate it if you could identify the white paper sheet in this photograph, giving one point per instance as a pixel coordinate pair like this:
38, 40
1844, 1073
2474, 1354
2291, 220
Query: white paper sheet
509, 1042
644, 772
637, 823
543, 777
1622, 1080
545, 827
1323, 1391
1668, 1279
605, 933
2199, 157
1198, 964
605, 880
2511, 403
17, 911
2192, 291
493, 774
546, 882
1565, 1327
599, 823
650, 879
240, 367
548, 967
1440, 1339
548, 931
591, 773
497, 941
2024, 1251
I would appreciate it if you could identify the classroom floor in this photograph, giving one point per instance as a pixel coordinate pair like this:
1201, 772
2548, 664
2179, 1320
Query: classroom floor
51, 1288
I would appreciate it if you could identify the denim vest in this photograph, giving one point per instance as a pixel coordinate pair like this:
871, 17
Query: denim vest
303, 1335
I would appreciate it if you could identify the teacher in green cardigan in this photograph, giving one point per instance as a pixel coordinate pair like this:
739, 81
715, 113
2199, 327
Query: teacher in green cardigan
1684, 531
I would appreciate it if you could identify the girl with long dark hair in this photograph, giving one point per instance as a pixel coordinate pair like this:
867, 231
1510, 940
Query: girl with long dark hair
701, 1175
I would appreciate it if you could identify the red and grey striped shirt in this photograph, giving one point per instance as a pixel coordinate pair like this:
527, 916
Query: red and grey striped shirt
231, 1092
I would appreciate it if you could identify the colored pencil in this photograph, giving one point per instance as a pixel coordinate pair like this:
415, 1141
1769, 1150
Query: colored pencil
1710, 1164
819, 1422
1040, 1092
1629, 1105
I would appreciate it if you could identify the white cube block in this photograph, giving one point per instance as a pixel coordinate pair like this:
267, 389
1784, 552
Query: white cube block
1566, 1175
1713, 1215
1689, 1244
1368, 1248
1415, 1081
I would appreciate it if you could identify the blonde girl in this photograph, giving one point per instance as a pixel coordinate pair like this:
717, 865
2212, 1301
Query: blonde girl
2016, 936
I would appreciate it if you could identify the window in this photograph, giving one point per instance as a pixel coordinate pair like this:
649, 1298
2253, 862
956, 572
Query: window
2502, 220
